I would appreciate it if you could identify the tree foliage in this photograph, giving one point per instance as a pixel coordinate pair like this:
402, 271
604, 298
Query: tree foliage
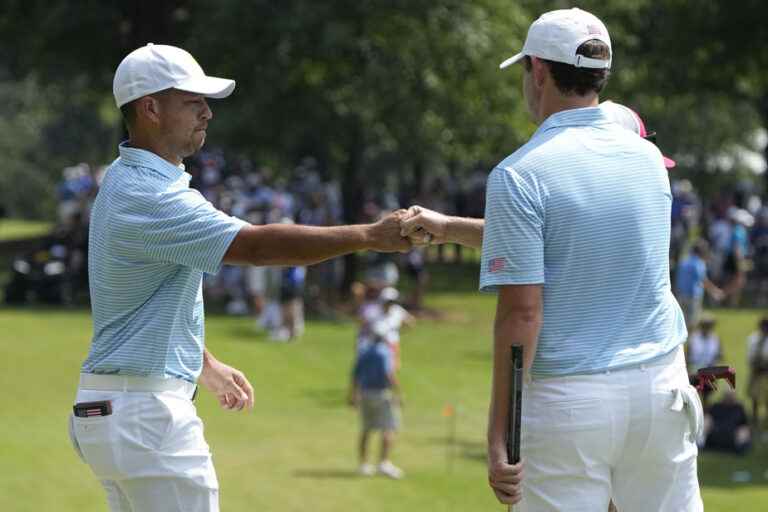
373, 88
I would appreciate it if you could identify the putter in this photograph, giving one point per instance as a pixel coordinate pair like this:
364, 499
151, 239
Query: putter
707, 377
515, 405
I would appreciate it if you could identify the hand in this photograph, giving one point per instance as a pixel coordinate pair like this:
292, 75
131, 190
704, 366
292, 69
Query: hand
505, 479
384, 235
230, 386
717, 295
424, 226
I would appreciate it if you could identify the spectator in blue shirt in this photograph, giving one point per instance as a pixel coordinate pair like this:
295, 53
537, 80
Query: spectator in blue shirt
691, 282
374, 388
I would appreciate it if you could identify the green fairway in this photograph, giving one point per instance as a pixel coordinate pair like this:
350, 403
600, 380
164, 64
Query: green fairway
295, 451
15, 229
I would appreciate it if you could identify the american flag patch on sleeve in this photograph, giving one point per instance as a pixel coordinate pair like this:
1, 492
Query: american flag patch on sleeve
496, 264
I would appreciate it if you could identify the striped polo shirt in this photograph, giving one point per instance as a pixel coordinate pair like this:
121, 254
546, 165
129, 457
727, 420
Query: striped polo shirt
583, 209
151, 238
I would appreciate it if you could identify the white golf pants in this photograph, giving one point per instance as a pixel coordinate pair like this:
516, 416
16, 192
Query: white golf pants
149, 454
628, 435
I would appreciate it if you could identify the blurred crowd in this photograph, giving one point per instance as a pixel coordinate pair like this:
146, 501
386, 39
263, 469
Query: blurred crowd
728, 426
719, 246
56, 271
725, 235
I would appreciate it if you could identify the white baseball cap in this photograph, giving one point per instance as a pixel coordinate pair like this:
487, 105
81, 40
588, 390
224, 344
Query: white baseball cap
156, 67
556, 36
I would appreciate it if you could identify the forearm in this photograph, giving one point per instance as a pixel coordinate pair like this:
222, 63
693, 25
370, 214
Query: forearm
465, 231
287, 244
519, 328
710, 287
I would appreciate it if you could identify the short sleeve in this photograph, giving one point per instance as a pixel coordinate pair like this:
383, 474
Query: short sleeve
513, 236
701, 271
183, 227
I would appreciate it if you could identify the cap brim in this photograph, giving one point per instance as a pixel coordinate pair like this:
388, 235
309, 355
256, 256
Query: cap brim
668, 162
512, 60
208, 86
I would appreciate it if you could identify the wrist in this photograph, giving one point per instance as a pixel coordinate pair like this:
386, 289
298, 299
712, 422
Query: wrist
451, 224
368, 236
208, 359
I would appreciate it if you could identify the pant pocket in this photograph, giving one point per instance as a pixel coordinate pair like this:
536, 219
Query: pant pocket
94, 436
72, 439
686, 399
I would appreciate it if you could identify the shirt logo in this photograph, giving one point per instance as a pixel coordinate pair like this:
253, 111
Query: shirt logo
496, 265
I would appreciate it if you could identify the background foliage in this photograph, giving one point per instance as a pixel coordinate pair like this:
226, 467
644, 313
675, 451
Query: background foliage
376, 90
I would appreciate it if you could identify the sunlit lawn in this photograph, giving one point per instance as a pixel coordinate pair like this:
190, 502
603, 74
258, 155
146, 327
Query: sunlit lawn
295, 451
14, 229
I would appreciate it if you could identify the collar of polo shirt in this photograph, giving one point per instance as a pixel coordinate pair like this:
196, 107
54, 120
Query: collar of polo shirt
143, 158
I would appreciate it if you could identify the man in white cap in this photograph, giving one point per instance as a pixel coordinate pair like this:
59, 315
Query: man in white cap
575, 242
151, 239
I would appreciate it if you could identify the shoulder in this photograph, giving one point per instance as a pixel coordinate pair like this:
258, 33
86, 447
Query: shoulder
532, 155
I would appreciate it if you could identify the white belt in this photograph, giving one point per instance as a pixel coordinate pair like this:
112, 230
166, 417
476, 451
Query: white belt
96, 382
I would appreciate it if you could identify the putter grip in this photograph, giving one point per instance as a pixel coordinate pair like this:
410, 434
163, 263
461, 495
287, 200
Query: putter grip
515, 403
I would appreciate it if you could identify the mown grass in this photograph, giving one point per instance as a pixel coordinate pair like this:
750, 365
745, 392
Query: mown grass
296, 451
16, 229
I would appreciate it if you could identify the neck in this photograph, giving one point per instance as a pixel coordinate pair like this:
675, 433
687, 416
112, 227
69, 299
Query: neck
154, 145
554, 102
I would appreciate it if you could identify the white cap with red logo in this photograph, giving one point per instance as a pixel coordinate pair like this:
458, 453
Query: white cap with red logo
156, 67
557, 35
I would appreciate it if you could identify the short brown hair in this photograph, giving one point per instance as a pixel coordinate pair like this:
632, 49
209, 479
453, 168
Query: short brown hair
572, 80
129, 113
129, 109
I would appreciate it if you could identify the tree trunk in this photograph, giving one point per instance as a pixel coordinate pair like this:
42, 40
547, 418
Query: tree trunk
352, 193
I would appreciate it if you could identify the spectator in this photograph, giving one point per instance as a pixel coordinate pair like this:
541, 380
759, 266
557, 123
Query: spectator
691, 281
726, 427
292, 302
719, 235
375, 389
415, 268
702, 350
735, 266
757, 358
759, 239
395, 317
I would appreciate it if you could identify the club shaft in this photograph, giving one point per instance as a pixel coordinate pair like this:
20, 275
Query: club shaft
515, 405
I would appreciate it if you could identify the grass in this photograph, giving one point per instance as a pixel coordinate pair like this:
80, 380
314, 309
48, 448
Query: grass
296, 449
16, 229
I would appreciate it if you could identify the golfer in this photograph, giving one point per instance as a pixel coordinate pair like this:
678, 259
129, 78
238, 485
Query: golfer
575, 241
151, 239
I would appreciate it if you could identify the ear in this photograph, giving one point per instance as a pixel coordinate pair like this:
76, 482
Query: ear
540, 72
148, 108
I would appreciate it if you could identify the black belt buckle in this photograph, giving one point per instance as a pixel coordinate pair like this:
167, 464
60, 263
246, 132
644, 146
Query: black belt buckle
91, 409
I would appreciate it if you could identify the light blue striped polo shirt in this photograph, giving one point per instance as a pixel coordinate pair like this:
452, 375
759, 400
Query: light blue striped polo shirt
151, 238
583, 209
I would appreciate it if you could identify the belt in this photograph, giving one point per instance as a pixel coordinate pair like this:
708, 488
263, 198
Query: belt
97, 382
